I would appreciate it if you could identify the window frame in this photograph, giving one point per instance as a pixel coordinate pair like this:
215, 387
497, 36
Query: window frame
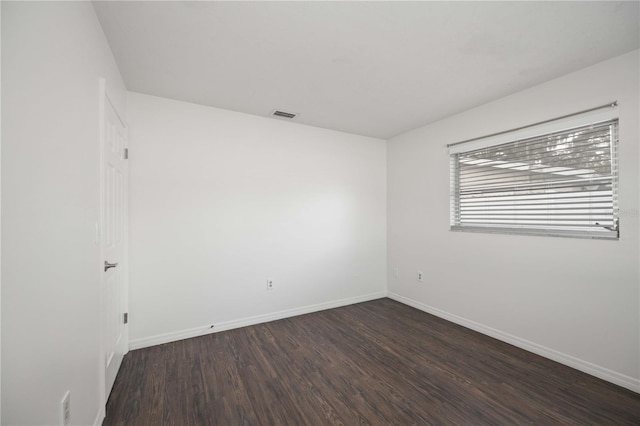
537, 131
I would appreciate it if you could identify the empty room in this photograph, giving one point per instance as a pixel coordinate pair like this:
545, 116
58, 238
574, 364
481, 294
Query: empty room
320, 213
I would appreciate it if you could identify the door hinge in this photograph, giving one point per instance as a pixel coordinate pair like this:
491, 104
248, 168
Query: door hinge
126, 317
126, 153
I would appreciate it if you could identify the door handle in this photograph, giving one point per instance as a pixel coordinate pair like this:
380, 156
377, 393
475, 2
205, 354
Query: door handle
108, 265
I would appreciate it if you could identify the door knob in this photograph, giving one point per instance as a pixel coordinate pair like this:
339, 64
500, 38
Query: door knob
108, 265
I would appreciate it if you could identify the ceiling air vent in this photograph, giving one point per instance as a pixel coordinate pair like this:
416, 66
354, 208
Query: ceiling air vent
284, 114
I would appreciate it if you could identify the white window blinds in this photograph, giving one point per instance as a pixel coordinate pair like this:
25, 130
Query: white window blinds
562, 181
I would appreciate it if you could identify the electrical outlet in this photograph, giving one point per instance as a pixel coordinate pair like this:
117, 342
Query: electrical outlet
269, 284
396, 272
420, 274
65, 409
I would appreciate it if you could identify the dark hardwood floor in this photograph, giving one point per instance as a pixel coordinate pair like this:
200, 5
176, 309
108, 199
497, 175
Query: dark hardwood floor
375, 363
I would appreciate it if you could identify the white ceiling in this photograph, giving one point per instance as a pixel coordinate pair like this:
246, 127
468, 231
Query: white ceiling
370, 68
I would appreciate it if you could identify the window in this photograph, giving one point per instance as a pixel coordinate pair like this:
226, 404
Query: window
556, 178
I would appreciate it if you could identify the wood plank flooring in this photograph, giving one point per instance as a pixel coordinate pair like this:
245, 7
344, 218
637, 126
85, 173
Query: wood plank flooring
374, 363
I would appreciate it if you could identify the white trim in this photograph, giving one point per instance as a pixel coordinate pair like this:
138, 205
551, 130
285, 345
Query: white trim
100, 416
597, 116
244, 322
102, 99
571, 361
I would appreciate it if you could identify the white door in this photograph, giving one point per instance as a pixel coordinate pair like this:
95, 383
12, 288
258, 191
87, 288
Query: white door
114, 242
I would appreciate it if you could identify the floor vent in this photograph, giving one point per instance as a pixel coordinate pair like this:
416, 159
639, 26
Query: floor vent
284, 114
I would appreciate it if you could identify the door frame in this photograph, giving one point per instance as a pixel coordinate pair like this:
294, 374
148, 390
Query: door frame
103, 98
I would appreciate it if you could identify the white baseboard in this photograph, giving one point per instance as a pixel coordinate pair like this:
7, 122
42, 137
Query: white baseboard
571, 361
100, 417
244, 322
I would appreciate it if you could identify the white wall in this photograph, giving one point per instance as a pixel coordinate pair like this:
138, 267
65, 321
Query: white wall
53, 54
222, 201
573, 300
0, 219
